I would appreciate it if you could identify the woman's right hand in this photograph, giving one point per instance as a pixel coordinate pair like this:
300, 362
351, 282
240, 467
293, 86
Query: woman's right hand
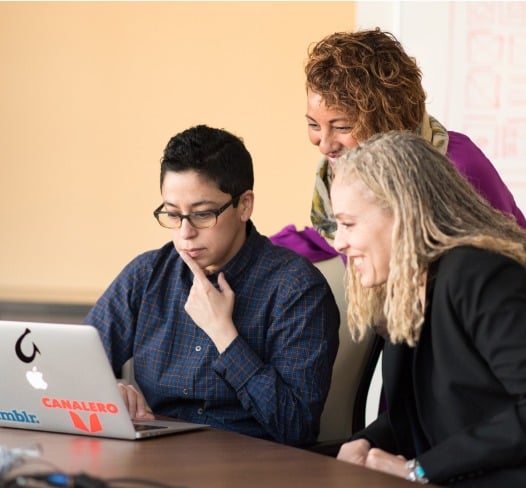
355, 452
135, 402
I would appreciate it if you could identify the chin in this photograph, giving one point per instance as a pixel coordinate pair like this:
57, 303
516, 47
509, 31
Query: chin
366, 283
370, 283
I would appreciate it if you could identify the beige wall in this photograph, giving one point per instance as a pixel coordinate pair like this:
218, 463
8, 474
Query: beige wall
90, 93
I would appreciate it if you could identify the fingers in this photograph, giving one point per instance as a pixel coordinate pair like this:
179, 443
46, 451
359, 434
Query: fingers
129, 399
360, 452
198, 273
354, 452
380, 460
135, 402
201, 278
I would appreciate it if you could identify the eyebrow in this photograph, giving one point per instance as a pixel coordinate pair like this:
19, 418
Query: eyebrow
196, 204
339, 119
343, 215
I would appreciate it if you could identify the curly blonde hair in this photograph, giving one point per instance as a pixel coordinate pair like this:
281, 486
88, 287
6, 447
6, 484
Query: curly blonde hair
434, 210
368, 76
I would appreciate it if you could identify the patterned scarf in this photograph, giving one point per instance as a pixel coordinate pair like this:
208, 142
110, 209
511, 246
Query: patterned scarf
321, 215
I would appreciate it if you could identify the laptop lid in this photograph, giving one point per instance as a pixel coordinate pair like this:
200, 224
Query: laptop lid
57, 377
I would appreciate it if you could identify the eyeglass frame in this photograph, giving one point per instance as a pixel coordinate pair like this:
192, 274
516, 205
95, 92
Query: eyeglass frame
217, 212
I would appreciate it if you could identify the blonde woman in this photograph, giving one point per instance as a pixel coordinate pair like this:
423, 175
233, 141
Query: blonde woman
447, 273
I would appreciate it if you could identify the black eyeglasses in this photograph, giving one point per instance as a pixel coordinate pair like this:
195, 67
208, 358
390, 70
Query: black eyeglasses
199, 220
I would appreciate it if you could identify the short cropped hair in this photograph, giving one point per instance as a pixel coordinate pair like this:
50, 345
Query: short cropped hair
215, 154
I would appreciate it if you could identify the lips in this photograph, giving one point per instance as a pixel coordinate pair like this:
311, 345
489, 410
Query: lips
358, 264
193, 253
332, 159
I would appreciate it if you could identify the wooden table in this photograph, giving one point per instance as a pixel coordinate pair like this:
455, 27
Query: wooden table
207, 458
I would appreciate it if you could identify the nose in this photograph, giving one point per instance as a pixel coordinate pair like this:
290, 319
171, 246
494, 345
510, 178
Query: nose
327, 144
339, 243
187, 230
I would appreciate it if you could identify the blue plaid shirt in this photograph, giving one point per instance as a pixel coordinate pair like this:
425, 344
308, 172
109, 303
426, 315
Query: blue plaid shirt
273, 379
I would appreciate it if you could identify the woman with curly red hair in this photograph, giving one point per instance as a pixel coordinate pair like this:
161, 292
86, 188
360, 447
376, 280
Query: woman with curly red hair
363, 83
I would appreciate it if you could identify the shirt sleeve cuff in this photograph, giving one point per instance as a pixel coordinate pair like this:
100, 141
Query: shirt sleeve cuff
237, 364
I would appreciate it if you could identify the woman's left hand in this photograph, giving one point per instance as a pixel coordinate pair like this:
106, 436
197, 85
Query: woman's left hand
388, 463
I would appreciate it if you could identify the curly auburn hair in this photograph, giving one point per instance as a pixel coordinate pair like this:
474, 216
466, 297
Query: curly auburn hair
367, 75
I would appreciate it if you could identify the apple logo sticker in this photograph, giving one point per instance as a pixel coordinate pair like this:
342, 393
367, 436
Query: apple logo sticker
36, 379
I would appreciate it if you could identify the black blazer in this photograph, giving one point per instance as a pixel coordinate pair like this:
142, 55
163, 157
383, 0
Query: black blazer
462, 391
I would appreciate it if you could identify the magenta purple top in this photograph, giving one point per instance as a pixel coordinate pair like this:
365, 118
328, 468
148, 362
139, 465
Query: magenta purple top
469, 160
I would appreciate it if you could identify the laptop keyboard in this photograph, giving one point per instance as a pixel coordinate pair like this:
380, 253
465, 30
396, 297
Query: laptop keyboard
143, 427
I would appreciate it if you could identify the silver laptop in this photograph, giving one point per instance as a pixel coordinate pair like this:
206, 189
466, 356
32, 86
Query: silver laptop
57, 378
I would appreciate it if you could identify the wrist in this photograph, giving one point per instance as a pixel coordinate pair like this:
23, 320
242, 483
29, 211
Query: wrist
416, 472
223, 342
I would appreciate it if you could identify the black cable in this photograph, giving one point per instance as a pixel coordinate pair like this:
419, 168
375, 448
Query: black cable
15, 462
82, 480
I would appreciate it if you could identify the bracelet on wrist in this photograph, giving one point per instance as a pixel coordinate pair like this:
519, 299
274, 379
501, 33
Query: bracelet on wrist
416, 472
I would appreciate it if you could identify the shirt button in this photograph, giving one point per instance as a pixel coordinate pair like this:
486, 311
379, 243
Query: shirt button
200, 411
185, 391
197, 348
